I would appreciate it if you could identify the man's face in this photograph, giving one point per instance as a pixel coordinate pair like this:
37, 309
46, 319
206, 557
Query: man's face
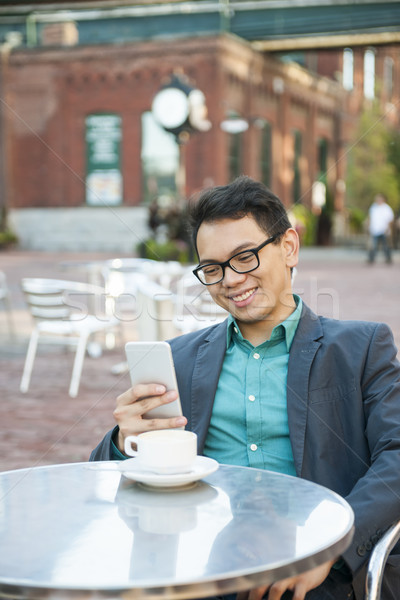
264, 294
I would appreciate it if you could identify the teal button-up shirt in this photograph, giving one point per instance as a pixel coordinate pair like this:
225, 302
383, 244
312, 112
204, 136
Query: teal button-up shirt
249, 422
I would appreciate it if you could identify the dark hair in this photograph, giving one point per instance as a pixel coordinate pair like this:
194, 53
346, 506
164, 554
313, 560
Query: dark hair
244, 196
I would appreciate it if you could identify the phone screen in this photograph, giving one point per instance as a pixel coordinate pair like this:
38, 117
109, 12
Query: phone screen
151, 362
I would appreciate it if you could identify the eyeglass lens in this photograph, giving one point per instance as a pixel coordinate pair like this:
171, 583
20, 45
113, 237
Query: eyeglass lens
241, 263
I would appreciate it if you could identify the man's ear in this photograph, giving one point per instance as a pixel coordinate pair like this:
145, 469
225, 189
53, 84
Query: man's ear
291, 245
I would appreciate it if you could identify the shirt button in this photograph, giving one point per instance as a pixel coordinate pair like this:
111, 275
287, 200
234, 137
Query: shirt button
256, 355
252, 398
235, 329
253, 447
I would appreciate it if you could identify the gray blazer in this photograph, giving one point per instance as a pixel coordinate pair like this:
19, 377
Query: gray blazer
343, 400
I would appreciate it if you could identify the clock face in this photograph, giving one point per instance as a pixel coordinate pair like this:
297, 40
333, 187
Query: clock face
171, 108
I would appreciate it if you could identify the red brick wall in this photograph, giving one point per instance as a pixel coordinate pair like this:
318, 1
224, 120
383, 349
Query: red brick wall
52, 91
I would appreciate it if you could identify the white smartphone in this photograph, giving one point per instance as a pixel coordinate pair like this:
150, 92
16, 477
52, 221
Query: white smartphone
151, 362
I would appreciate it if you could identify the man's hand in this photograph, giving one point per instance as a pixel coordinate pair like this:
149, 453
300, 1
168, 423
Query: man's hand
134, 403
299, 585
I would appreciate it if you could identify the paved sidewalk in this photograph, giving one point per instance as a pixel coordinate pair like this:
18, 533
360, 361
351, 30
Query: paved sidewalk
46, 426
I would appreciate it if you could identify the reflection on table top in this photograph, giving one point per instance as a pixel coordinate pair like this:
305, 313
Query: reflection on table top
85, 531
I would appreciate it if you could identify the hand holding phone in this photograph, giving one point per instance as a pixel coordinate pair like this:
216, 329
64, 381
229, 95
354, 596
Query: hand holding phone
151, 362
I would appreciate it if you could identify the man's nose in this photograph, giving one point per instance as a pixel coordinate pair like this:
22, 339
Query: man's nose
232, 278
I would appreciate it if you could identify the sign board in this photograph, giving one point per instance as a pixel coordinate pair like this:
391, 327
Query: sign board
103, 151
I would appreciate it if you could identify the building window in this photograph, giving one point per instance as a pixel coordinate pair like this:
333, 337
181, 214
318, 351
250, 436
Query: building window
296, 167
235, 155
266, 154
369, 74
388, 66
103, 159
348, 69
160, 160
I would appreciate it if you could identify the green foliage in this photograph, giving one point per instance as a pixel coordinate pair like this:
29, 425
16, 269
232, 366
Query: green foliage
7, 238
169, 250
305, 223
369, 169
170, 238
394, 159
356, 219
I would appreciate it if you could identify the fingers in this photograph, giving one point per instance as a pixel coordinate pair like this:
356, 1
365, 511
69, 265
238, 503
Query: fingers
277, 590
299, 584
132, 406
300, 591
257, 593
138, 400
140, 391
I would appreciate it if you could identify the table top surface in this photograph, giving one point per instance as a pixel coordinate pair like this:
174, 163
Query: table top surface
88, 531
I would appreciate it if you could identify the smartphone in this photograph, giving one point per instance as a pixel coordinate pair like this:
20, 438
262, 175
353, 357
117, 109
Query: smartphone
152, 362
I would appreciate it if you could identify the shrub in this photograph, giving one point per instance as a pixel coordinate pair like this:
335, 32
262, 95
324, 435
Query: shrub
7, 238
168, 250
305, 223
356, 219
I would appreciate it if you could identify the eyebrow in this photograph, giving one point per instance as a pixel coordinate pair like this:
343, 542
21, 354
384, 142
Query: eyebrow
240, 248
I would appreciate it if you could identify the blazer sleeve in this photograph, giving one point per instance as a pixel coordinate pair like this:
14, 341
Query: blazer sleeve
103, 451
375, 498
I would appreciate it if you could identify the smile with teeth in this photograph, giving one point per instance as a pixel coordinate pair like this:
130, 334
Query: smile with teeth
243, 296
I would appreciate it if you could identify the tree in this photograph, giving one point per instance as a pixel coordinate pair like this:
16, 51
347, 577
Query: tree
394, 158
369, 168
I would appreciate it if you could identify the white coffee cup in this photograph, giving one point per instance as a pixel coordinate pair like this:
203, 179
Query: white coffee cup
164, 451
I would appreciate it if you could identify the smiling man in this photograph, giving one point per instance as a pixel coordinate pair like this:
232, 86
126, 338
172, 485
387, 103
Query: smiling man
254, 284
277, 387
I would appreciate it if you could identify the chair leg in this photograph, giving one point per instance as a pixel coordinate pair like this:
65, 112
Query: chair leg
30, 358
78, 364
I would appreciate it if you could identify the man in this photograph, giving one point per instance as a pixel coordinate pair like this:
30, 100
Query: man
277, 387
380, 219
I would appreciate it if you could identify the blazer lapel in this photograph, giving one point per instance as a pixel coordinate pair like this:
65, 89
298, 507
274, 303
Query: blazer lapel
302, 354
206, 373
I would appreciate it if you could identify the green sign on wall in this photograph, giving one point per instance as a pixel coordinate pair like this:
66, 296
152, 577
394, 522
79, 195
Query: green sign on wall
103, 149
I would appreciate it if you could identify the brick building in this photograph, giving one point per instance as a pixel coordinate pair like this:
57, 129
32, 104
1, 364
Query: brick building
297, 120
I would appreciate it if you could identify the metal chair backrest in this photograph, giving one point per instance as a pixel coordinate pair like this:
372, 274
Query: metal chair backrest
67, 313
57, 299
155, 320
377, 562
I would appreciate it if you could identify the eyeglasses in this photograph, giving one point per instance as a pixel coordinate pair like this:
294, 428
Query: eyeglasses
242, 262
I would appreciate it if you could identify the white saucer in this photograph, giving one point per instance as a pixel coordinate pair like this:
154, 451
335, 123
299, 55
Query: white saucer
202, 466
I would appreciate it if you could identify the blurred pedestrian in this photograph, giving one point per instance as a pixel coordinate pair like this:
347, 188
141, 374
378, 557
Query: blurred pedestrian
380, 219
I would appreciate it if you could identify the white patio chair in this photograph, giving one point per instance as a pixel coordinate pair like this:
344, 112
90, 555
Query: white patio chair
377, 562
194, 306
121, 278
67, 313
122, 275
154, 315
167, 273
155, 320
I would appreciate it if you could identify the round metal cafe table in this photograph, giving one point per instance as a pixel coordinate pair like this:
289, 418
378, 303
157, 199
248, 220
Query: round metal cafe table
85, 531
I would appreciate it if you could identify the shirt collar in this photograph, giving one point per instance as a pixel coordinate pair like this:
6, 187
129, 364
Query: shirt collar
286, 329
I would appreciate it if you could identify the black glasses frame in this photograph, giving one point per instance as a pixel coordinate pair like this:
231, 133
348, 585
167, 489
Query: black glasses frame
227, 263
